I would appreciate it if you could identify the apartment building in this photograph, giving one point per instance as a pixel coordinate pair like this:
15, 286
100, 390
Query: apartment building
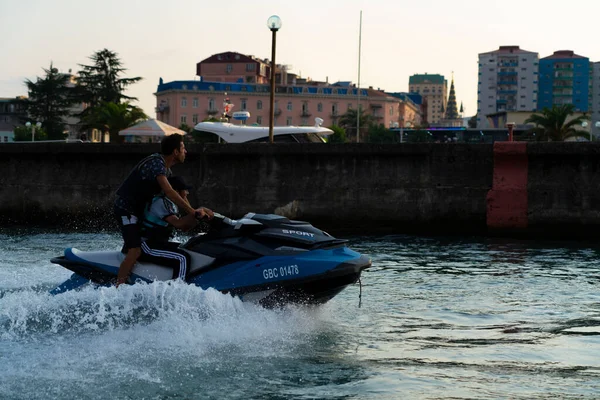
12, 113
433, 88
508, 81
594, 109
410, 109
240, 68
565, 79
190, 102
245, 81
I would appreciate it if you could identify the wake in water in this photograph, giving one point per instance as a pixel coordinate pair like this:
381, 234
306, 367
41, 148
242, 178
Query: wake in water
146, 340
30, 314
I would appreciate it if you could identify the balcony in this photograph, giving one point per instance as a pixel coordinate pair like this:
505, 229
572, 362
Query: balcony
161, 108
277, 112
305, 113
334, 114
212, 111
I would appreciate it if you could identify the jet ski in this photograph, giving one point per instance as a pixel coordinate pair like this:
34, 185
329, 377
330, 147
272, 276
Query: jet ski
263, 258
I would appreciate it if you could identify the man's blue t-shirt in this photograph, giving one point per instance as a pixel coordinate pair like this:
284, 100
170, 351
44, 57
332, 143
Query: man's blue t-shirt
141, 185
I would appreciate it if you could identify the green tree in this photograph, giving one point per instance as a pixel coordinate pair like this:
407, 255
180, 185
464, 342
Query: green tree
338, 136
50, 100
23, 134
552, 124
186, 128
205, 137
102, 82
473, 122
380, 134
349, 119
419, 136
112, 118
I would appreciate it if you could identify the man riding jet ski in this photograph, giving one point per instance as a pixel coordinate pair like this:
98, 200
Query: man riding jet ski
263, 258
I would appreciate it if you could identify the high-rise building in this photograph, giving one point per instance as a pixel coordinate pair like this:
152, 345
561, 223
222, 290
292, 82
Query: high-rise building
595, 96
564, 79
433, 88
508, 81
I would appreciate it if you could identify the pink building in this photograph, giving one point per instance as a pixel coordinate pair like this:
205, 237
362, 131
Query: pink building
244, 81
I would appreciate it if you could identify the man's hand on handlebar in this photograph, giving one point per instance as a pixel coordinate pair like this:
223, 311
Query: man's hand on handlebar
203, 213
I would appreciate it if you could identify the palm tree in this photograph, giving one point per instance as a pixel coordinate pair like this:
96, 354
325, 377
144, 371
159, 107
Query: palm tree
113, 117
551, 125
349, 119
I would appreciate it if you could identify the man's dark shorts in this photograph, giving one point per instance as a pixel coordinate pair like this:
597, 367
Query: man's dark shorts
130, 227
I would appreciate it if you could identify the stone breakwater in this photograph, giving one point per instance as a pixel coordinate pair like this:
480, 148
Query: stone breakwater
506, 188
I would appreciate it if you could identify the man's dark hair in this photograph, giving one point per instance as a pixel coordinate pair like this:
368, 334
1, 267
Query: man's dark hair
170, 143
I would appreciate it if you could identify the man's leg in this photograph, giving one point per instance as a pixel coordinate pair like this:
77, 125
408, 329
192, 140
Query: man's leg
165, 253
127, 264
130, 231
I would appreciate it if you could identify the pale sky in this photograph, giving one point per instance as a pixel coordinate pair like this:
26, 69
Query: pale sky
318, 39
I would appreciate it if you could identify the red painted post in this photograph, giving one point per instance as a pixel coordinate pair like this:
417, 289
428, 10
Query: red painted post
507, 201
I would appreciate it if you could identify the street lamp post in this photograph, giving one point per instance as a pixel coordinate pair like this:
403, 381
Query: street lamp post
274, 24
30, 125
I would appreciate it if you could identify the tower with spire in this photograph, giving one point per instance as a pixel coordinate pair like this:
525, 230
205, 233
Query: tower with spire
451, 108
452, 116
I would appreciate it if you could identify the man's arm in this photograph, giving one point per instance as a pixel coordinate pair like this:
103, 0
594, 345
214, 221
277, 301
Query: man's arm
173, 195
185, 223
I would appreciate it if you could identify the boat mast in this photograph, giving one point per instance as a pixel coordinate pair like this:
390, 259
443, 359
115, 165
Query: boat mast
358, 83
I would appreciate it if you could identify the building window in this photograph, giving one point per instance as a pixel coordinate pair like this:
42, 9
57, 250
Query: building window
211, 104
195, 102
334, 109
289, 106
228, 68
184, 87
349, 106
320, 107
250, 67
243, 106
183, 102
184, 119
195, 119
259, 105
259, 120
391, 110
288, 121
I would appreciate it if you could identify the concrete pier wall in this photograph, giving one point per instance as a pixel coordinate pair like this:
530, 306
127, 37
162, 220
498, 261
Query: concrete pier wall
358, 188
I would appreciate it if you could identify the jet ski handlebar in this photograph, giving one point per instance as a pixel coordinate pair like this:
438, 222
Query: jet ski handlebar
236, 223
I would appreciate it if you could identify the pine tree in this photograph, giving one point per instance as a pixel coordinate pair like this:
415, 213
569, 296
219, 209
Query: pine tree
50, 99
99, 85
101, 81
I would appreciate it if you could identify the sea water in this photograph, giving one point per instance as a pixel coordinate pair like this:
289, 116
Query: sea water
438, 318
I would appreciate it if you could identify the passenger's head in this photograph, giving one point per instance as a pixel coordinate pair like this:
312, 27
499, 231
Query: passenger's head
179, 185
173, 145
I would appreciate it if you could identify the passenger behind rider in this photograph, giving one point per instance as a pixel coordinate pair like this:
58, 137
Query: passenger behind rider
161, 218
145, 181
